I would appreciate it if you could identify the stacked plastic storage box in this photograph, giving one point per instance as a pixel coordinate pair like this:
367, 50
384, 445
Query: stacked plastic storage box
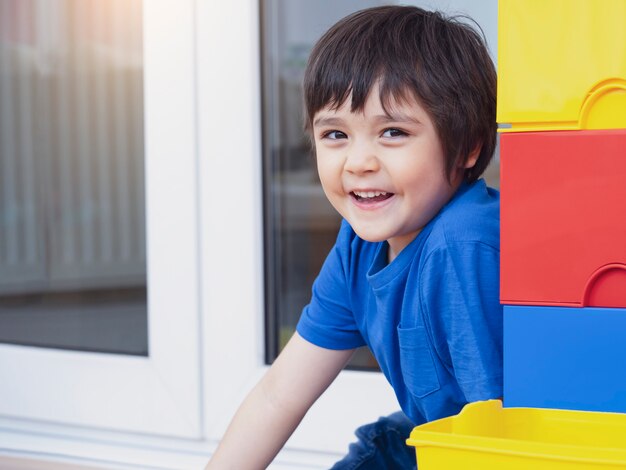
562, 90
562, 107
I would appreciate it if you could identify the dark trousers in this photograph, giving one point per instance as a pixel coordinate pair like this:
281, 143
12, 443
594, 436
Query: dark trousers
381, 446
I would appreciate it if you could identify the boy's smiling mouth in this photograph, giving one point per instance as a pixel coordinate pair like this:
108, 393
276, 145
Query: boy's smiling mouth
370, 196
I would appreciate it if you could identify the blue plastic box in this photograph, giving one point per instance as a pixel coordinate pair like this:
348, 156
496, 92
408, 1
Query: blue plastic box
565, 357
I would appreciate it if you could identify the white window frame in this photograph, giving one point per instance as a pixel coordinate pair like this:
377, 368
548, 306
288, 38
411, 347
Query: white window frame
154, 394
229, 104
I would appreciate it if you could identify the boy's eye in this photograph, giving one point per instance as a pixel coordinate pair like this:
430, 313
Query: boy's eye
393, 132
334, 135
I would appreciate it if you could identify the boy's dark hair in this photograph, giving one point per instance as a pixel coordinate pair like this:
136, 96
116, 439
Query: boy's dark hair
441, 61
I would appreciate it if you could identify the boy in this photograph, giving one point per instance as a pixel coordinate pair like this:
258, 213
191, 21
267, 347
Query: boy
400, 103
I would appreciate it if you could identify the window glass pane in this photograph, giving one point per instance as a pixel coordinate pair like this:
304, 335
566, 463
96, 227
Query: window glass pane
300, 225
72, 210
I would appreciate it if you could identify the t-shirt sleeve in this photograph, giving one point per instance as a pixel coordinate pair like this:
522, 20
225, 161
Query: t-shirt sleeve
328, 320
460, 299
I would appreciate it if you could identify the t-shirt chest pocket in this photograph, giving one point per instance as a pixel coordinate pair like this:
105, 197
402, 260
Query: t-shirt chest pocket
416, 361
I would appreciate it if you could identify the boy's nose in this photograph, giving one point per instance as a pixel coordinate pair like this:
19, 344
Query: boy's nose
361, 160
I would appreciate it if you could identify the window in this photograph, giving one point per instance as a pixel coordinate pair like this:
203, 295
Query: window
72, 209
77, 59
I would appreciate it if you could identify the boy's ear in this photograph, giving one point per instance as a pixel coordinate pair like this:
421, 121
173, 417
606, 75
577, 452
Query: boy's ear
472, 158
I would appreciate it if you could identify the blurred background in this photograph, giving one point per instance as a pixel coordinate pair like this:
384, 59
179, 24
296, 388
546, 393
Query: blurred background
72, 203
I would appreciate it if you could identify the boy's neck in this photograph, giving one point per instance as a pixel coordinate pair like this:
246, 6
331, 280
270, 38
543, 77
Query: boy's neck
395, 248
392, 253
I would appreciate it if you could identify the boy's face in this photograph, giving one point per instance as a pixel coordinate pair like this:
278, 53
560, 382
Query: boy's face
385, 174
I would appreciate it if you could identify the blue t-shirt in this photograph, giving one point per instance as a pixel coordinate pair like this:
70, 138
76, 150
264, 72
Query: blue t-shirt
431, 317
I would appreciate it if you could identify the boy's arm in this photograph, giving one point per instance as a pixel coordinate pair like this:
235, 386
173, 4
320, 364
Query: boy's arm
277, 404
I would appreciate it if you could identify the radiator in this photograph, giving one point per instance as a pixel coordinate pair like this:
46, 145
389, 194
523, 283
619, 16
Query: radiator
72, 204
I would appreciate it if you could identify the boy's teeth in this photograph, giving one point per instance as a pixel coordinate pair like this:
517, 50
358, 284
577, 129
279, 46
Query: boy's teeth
370, 193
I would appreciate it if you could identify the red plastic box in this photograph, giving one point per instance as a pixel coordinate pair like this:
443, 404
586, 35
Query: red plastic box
563, 218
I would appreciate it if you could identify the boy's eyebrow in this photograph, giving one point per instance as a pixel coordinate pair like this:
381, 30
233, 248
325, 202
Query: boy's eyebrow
382, 118
396, 117
327, 121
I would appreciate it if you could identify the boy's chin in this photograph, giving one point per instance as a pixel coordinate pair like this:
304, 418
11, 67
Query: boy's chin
369, 235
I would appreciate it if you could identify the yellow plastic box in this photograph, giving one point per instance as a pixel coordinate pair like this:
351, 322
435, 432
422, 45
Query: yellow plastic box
561, 64
487, 436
